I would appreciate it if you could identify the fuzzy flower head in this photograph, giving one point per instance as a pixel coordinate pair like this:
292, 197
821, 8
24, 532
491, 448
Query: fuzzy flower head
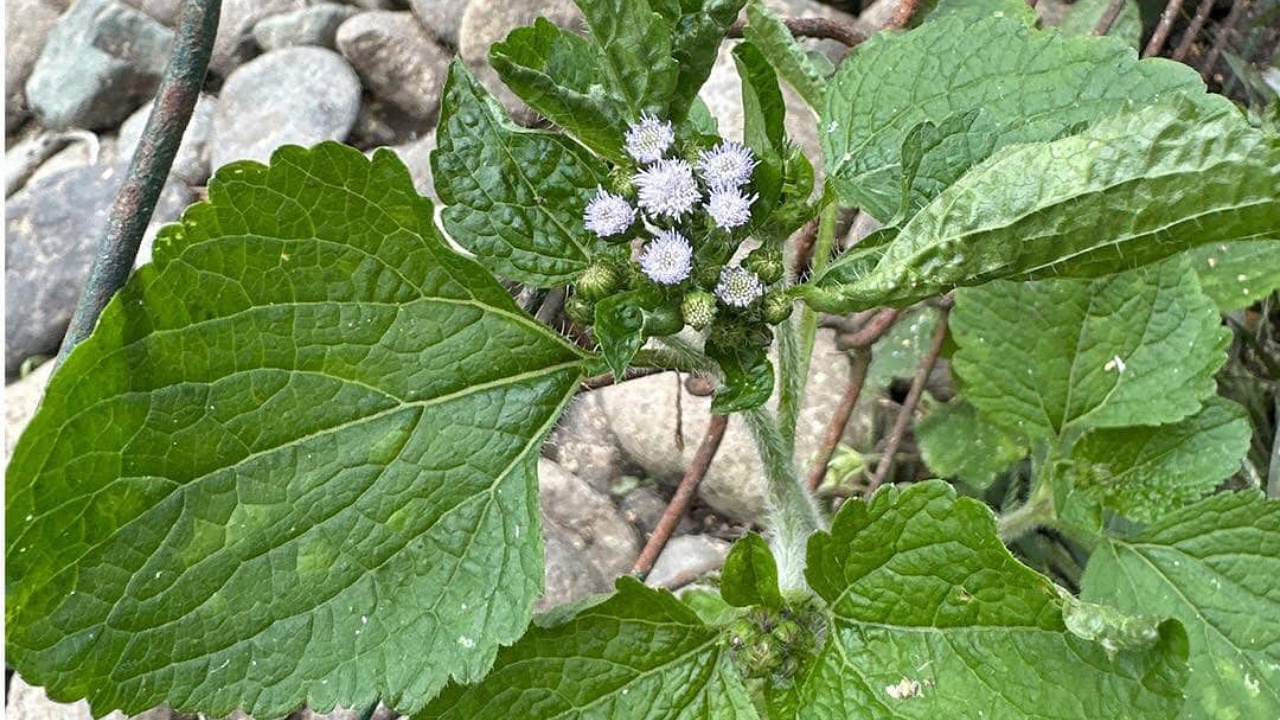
729, 207
667, 188
668, 258
650, 139
608, 214
738, 287
728, 164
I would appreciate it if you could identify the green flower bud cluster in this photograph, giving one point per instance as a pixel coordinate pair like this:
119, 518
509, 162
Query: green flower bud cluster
775, 644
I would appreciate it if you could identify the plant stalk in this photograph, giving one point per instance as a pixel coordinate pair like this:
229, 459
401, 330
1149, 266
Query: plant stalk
793, 514
149, 170
796, 352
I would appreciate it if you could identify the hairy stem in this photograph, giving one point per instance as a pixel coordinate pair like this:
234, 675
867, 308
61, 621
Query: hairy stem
793, 514
795, 353
1037, 512
149, 169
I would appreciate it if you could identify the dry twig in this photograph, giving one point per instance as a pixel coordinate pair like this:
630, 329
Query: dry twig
1193, 30
1161, 35
1109, 17
820, 28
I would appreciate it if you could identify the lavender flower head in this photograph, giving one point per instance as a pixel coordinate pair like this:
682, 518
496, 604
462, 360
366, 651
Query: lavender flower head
728, 164
667, 188
738, 287
608, 214
729, 207
648, 140
668, 258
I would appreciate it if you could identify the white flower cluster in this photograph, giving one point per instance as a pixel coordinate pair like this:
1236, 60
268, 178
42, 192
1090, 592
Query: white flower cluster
669, 191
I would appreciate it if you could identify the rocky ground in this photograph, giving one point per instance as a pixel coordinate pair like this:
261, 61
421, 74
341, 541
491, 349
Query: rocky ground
79, 77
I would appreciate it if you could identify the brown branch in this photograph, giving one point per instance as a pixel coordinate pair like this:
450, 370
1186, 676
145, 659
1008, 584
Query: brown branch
820, 28
1193, 30
859, 362
902, 15
1225, 31
1109, 17
1158, 38
683, 498
806, 239
859, 341
913, 398
595, 382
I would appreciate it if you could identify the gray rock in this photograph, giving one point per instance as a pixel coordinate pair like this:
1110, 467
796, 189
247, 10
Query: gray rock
191, 165
25, 702
642, 415
588, 543
299, 95
380, 123
441, 17
28, 27
583, 442
101, 61
486, 22
53, 227
314, 25
397, 59
686, 557
165, 11
21, 398
234, 44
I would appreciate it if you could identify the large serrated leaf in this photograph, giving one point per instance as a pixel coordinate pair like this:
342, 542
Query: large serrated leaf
1130, 190
1041, 358
932, 617
640, 654
1213, 566
514, 197
294, 462
1034, 83
1147, 472
956, 442
635, 52
559, 75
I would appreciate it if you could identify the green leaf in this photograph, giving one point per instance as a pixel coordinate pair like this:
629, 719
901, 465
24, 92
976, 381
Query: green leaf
750, 575
635, 52
697, 28
764, 114
1083, 18
956, 442
559, 75
1131, 190
766, 31
1236, 275
1146, 472
1033, 83
935, 155
624, 320
640, 654
748, 375
1213, 566
294, 462
514, 197
932, 617
1041, 358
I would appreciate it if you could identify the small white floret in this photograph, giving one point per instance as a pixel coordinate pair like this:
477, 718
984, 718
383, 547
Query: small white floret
648, 140
668, 258
738, 287
729, 207
728, 164
608, 214
667, 188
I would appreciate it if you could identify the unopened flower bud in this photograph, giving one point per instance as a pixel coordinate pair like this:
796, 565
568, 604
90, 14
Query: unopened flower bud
777, 307
699, 309
766, 263
580, 310
598, 281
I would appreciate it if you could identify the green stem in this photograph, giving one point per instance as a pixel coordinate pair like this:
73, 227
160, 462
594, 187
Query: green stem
1037, 512
795, 338
793, 515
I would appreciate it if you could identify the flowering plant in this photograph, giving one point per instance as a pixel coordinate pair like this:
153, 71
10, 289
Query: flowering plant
296, 462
